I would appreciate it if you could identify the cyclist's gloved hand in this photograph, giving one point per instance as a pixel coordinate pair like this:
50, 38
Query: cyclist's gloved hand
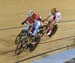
22, 23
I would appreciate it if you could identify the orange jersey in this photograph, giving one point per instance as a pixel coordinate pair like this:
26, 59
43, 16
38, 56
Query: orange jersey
34, 17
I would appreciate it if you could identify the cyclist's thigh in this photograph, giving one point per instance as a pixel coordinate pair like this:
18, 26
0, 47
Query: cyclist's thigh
27, 27
37, 24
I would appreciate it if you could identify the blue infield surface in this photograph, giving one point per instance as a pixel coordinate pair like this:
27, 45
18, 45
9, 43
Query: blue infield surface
58, 58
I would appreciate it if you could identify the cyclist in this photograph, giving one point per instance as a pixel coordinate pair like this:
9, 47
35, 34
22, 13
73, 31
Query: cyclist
52, 19
37, 23
33, 20
29, 21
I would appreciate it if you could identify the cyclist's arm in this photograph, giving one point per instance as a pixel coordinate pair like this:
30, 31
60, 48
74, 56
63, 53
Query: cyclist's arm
46, 19
25, 21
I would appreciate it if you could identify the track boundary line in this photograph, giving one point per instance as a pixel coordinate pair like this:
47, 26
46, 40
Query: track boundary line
41, 43
57, 39
24, 26
44, 53
12, 28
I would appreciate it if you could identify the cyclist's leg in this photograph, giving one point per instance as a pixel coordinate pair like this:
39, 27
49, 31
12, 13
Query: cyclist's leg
51, 27
27, 27
36, 26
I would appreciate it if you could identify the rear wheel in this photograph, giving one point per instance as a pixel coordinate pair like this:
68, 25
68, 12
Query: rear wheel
37, 40
54, 30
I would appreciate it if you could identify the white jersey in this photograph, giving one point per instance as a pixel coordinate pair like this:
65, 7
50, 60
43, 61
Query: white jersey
56, 17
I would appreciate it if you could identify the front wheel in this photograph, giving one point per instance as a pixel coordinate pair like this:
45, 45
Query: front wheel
22, 44
42, 30
19, 49
19, 36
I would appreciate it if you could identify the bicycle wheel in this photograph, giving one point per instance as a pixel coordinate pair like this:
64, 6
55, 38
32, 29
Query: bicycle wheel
32, 47
19, 48
24, 41
54, 30
43, 30
22, 44
17, 40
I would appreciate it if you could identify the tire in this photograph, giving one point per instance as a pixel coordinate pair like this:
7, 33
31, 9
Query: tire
37, 40
19, 49
18, 38
54, 30
22, 44
24, 41
42, 30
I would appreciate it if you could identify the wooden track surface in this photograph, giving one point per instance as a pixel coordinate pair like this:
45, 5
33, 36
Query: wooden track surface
13, 12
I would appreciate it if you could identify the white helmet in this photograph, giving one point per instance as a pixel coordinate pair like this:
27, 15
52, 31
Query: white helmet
30, 13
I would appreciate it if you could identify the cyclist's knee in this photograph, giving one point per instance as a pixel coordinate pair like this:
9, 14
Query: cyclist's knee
34, 33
